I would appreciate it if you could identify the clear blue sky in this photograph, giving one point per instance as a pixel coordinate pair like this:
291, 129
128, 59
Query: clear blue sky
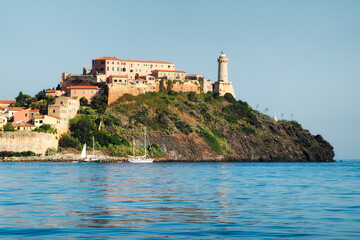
294, 57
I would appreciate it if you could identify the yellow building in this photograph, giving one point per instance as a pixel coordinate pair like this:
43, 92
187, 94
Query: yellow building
169, 74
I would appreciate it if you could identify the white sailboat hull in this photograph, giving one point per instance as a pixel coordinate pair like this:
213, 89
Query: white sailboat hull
137, 160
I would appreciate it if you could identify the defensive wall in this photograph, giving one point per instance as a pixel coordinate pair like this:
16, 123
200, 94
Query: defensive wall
27, 141
118, 90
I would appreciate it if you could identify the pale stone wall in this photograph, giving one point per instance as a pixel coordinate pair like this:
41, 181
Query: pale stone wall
224, 87
118, 90
27, 141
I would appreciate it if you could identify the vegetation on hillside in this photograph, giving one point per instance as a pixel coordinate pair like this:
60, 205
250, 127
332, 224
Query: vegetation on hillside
209, 116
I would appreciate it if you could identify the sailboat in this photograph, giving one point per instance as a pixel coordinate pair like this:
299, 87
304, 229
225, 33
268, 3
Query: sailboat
140, 159
86, 158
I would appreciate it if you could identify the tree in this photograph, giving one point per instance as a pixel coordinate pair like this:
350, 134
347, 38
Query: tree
169, 85
192, 96
162, 86
230, 98
23, 100
40, 95
84, 101
99, 101
9, 127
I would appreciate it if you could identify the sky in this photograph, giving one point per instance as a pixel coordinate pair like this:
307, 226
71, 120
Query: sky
298, 59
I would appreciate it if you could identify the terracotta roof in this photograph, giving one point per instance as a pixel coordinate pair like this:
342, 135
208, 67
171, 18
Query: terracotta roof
50, 91
38, 116
144, 61
106, 58
169, 71
53, 117
130, 60
83, 87
56, 105
193, 75
34, 110
123, 76
6, 102
23, 125
15, 108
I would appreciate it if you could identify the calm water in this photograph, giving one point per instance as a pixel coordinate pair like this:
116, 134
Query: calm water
180, 200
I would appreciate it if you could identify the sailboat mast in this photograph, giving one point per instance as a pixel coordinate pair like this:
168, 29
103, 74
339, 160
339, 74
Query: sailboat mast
93, 146
134, 147
145, 139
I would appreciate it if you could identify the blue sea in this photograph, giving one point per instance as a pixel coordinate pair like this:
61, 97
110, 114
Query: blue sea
180, 200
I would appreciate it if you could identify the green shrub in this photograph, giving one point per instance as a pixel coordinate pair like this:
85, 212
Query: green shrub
67, 141
84, 101
183, 127
9, 127
210, 139
192, 96
230, 98
46, 128
17, 154
50, 151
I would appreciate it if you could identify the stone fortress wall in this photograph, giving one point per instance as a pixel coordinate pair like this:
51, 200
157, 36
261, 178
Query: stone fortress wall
27, 141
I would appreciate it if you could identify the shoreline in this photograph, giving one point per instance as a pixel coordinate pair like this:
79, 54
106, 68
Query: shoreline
109, 159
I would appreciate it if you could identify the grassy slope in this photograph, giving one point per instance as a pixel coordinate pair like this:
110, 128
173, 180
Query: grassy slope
189, 126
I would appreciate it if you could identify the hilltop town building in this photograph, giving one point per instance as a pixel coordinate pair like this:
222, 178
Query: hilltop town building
3, 121
113, 66
123, 76
82, 91
6, 103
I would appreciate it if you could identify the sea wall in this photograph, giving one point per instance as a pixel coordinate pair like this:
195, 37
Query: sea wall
27, 141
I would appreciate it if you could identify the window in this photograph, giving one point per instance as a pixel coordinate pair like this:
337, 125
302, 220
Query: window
131, 70
61, 102
107, 68
117, 63
107, 62
102, 62
112, 62
120, 80
101, 69
94, 63
113, 68
40, 121
117, 68
115, 80
123, 69
54, 111
123, 63
25, 114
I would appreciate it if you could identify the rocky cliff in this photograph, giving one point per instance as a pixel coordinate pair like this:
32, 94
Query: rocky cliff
203, 127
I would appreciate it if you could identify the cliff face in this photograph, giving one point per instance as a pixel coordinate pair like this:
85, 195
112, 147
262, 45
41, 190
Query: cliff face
188, 127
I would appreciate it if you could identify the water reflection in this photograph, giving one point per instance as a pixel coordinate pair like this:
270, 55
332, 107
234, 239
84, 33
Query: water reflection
179, 200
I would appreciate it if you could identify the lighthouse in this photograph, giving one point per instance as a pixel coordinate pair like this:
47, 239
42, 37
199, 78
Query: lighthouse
223, 72
223, 86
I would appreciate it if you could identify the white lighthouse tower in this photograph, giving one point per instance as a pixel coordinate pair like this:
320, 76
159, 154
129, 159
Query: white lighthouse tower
223, 72
223, 86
